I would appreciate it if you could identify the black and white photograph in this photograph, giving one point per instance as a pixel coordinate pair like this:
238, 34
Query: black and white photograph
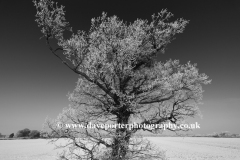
120, 80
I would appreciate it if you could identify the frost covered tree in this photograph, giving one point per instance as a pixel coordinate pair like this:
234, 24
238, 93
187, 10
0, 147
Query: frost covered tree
120, 82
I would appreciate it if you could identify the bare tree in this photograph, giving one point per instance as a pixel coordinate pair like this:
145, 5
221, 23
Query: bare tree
119, 82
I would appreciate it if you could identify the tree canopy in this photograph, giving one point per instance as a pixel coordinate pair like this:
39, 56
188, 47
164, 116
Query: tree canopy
120, 80
23, 133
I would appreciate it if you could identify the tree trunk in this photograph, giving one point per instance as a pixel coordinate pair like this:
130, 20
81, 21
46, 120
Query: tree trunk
121, 139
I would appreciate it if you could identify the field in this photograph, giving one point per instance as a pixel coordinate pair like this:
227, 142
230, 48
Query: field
199, 148
177, 148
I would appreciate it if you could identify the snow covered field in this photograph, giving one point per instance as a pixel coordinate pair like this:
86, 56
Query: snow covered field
37, 149
199, 148
177, 148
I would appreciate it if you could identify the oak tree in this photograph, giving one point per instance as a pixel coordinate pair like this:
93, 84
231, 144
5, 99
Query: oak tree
120, 82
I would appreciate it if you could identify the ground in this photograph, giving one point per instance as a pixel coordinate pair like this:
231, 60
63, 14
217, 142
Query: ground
177, 148
199, 148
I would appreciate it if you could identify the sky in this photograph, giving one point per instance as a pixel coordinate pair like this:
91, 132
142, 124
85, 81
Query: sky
34, 84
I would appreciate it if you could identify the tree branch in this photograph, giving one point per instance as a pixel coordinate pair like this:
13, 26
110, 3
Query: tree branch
80, 73
157, 100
